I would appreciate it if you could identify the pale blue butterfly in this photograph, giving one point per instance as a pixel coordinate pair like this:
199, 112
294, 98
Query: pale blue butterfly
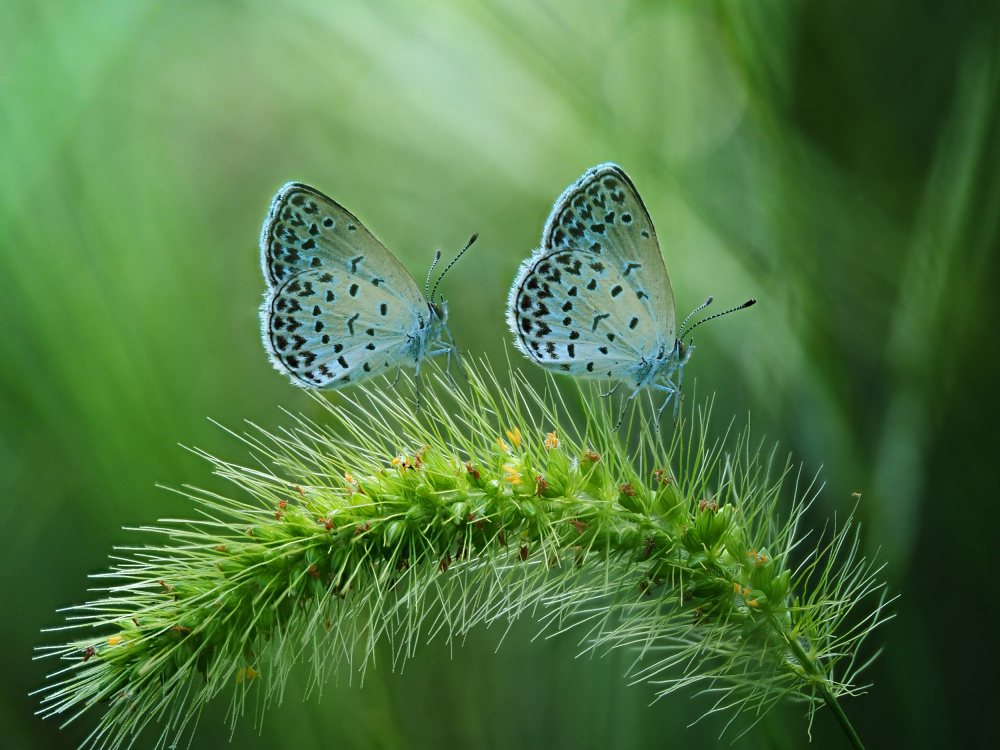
595, 299
339, 307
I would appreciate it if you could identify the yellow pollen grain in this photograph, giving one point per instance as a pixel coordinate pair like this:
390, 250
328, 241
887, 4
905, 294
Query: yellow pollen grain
512, 474
503, 446
240, 675
551, 440
114, 640
251, 673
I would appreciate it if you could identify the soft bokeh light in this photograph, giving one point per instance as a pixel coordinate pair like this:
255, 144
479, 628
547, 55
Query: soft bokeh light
837, 161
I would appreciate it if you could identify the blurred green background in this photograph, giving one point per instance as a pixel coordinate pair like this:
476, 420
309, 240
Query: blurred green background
839, 161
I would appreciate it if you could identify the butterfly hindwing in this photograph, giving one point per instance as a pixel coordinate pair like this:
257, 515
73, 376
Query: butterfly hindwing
578, 312
595, 300
327, 329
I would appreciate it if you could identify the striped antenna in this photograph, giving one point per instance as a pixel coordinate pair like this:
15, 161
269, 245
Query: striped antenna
427, 284
748, 303
448, 268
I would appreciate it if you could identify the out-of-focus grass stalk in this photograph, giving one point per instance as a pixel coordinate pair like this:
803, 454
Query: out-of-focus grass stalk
487, 505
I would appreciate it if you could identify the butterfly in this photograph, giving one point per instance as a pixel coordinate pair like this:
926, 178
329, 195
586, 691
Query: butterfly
595, 299
339, 307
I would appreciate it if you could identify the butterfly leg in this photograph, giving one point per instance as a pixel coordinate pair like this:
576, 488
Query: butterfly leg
398, 373
679, 396
458, 357
625, 405
447, 370
416, 385
605, 395
671, 393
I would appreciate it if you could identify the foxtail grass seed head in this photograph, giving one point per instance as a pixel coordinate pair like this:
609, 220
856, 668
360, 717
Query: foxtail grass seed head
492, 503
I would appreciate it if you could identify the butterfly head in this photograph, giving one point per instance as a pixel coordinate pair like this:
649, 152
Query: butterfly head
438, 311
682, 351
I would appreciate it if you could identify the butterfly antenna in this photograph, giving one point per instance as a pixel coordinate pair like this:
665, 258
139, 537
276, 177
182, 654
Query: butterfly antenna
448, 268
700, 307
427, 284
748, 303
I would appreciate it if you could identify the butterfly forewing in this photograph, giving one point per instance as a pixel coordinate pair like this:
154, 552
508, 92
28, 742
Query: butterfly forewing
306, 229
595, 299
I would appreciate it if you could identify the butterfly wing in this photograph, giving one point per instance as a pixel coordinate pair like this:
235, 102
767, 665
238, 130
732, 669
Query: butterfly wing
325, 330
306, 229
595, 299
340, 307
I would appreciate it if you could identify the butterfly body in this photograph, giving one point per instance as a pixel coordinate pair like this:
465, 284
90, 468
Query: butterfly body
595, 299
339, 307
